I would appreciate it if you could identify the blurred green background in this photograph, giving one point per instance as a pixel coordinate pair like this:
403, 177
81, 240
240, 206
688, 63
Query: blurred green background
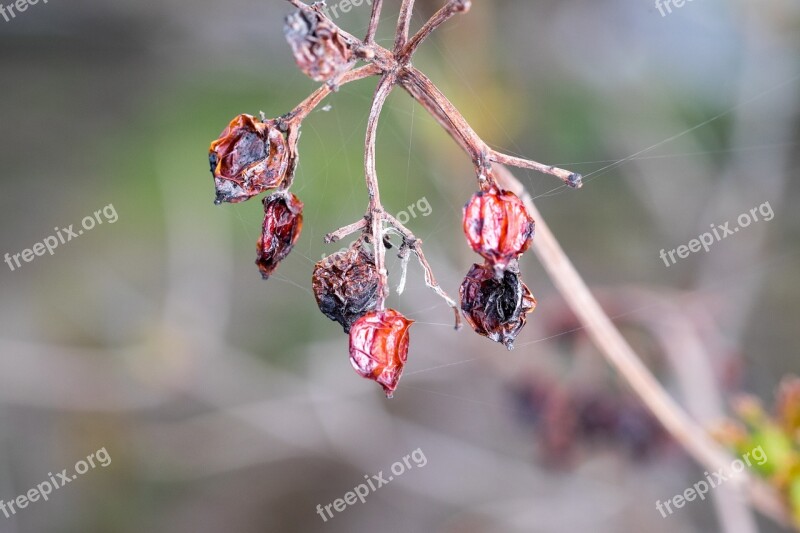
226, 402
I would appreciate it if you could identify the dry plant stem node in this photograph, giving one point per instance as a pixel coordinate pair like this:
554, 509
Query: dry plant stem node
394, 68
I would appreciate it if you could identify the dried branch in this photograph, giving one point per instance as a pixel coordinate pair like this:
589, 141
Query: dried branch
452, 8
375, 213
403, 25
374, 20
422, 89
624, 359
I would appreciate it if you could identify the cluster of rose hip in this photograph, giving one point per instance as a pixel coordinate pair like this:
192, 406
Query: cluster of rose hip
253, 155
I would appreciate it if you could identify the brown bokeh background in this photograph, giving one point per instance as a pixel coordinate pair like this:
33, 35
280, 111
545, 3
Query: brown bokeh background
228, 403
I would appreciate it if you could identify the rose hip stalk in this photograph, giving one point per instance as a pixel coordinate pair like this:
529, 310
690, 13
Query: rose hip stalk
253, 156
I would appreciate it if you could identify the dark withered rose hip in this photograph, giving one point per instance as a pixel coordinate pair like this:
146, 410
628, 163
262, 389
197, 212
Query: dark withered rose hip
497, 226
379, 347
248, 158
345, 285
283, 220
496, 308
319, 49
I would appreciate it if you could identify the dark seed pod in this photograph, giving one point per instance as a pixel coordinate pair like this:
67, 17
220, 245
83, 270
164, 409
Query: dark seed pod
283, 220
319, 49
497, 226
496, 308
379, 347
248, 158
345, 285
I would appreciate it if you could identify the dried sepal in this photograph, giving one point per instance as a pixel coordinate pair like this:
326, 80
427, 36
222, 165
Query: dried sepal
379, 347
283, 221
319, 49
496, 308
497, 226
248, 158
345, 285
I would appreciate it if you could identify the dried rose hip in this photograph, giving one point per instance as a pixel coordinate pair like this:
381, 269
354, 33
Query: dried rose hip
248, 158
496, 308
379, 347
283, 220
497, 226
345, 285
319, 49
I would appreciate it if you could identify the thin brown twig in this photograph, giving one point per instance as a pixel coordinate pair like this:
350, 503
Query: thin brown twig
415, 245
452, 8
341, 233
403, 25
374, 21
422, 89
375, 212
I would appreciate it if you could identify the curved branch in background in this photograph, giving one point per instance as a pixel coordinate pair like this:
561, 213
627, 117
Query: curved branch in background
624, 359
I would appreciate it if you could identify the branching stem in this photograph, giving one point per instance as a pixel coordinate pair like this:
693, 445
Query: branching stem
394, 68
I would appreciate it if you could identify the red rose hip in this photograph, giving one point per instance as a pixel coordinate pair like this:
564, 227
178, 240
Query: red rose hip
283, 220
248, 158
379, 347
497, 226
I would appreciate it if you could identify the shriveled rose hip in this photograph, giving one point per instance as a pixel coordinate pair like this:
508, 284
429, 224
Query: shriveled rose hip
248, 158
379, 347
496, 308
319, 49
283, 220
497, 226
345, 285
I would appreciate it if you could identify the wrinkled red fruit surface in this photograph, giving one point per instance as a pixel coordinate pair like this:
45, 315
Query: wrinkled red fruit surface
496, 308
318, 48
379, 347
248, 158
497, 226
345, 285
283, 220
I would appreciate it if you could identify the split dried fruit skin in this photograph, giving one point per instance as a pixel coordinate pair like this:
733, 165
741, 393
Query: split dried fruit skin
345, 285
319, 49
498, 226
379, 347
249, 157
496, 308
283, 221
